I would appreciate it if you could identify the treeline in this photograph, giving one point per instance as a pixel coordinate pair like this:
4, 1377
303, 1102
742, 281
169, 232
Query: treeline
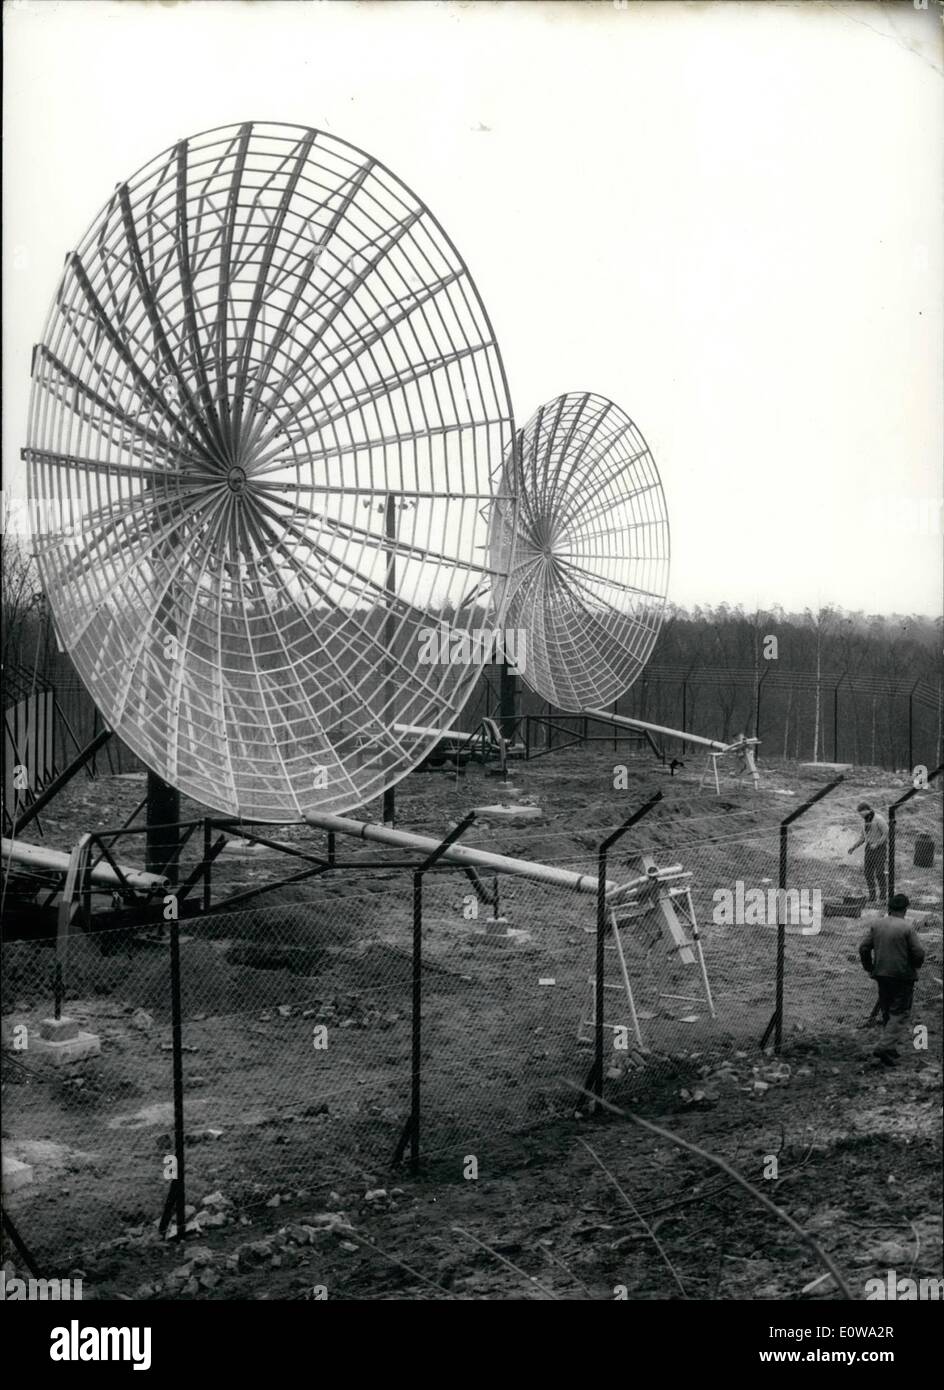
821, 686
830, 640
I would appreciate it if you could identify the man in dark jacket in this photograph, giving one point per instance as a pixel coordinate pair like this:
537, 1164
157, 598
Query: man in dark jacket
892, 954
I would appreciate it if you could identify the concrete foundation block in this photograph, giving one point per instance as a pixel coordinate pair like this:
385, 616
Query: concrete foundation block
826, 769
15, 1174
496, 926
510, 813
58, 1029
60, 1054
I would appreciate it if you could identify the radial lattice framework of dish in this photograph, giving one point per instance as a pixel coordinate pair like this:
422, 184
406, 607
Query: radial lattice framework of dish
270, 396
590, 561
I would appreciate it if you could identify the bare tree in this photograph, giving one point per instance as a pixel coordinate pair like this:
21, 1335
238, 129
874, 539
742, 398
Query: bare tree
822, 624
22, 602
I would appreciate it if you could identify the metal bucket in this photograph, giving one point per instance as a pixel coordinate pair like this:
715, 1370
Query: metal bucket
924, 851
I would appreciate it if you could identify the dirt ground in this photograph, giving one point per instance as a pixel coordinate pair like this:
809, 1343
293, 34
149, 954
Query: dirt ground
289, 1174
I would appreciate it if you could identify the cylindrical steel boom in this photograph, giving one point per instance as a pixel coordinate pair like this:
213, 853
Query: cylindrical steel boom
656, 729
459, 854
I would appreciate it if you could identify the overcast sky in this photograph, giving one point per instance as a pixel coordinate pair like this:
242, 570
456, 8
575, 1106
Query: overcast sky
726, 217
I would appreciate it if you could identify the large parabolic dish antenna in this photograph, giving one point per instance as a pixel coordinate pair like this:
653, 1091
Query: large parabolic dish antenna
590, 554
271, 395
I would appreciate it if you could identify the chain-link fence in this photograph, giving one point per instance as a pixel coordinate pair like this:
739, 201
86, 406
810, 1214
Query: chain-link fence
295, 1050
298, 1042
500, 1050
82, 1135
918, 846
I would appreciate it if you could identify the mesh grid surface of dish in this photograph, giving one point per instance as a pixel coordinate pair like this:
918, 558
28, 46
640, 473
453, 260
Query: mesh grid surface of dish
590, 554
270, 393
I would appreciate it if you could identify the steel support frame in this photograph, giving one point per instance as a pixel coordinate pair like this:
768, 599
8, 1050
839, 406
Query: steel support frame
162, 843
58, 782
552, 724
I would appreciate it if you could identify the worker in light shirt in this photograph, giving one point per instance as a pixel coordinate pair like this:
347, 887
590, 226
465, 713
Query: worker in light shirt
875, 838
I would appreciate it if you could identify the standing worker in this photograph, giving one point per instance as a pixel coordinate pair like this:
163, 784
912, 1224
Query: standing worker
875, 838
892, 954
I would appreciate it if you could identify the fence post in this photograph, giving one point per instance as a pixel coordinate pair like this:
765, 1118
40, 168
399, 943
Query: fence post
17, 1240
781, 938
416, 1056
411, 1130
507, 700
162, 841
757, 694
775, 1025
207, 887
599, 975
176, 1196
594, 1080
911, 693
836, 716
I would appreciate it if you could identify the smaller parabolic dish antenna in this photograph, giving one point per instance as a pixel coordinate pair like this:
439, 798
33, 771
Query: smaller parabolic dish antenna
590, 561
270, 396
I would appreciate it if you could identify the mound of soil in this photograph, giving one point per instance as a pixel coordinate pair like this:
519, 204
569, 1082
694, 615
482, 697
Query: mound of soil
290, 917
214, 982
385, 967
262, 955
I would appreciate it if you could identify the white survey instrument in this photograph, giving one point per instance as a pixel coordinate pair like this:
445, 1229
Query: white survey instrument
657, 915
